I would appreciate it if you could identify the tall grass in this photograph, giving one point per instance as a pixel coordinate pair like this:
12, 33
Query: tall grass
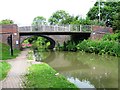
4, 68
5, 52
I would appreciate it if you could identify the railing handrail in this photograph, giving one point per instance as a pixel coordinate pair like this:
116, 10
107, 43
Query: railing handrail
56, 28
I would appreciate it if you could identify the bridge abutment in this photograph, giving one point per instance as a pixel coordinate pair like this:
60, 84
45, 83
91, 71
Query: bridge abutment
7, 30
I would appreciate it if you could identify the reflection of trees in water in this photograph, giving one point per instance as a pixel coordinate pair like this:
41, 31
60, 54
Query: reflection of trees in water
98, 81
45, 56
51, 56
106, 67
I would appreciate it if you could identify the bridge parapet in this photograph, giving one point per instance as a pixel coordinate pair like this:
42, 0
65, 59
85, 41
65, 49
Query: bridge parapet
56, 28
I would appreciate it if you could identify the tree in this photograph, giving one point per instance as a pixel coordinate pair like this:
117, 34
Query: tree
39, 20
59, 17
108, 11
116, 22
6, 21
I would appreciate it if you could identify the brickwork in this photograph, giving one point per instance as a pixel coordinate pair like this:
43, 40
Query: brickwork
6, 30
99, 31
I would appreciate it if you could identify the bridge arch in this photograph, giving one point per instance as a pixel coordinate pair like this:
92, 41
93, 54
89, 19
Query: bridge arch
52, 41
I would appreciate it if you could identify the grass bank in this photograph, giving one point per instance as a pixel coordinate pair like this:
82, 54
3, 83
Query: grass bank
43, 76
4, 68
5, 52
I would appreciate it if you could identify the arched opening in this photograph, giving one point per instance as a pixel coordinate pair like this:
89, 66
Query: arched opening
23, 38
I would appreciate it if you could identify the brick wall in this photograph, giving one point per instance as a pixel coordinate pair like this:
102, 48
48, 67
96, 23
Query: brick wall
6, 30
99, 31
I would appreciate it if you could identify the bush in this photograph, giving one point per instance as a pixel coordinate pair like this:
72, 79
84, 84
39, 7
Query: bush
104, 46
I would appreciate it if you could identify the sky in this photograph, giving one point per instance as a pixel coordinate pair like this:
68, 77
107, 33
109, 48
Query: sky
22, 12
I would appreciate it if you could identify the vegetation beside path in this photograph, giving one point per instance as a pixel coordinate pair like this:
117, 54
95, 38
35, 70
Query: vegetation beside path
4, 68
4, 55
5, 52
43, 76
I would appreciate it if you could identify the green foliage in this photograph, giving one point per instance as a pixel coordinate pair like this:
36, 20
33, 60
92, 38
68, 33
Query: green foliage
26, 41
40, 43
30, 55
43, 76
111, 37
59, 17
39, 20
5, 54
4, 68
6, 21
67, 46
108, 10
108, 45
116, 22
71, 46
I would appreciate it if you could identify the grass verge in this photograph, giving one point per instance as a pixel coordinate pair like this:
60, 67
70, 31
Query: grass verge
4, 68
43, 76
5, 52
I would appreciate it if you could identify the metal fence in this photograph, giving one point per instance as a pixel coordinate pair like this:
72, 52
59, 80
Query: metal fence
56, 28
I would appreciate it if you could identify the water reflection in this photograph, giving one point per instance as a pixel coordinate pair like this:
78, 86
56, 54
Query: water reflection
80, 84
85, 70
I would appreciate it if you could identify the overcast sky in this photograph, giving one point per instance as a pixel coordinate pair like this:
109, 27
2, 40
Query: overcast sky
22, 12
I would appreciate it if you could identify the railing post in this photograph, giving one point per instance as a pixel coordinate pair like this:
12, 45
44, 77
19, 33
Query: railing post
69, 28
80, 28
57, 27
43, 27
53, 27
31, 28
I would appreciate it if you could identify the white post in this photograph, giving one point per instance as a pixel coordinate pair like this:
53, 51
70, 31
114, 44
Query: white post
99, 10
69, 28
54, 27
43, 27
80, 28
57, 27
31, 28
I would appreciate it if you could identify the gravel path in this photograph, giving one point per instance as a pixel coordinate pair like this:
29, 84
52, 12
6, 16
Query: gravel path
16, 74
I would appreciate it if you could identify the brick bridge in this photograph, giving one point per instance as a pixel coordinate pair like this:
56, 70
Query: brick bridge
54, 34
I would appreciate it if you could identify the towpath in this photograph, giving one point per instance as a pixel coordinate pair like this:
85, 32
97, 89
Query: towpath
16, 74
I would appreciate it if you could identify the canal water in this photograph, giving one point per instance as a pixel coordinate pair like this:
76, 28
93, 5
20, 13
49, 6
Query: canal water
83, 69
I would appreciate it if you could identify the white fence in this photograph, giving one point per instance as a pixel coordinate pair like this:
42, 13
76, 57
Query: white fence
56, 28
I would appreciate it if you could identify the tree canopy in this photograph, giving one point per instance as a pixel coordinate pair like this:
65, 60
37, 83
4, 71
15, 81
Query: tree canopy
59, 17
39, 20
108, 11
6, 21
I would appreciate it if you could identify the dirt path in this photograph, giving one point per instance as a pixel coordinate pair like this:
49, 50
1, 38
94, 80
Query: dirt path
18, 70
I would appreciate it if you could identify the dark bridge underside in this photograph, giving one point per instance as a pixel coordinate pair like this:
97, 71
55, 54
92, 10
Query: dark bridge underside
54, 33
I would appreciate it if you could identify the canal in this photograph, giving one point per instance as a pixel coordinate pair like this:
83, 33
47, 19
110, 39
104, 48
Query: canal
83, 69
